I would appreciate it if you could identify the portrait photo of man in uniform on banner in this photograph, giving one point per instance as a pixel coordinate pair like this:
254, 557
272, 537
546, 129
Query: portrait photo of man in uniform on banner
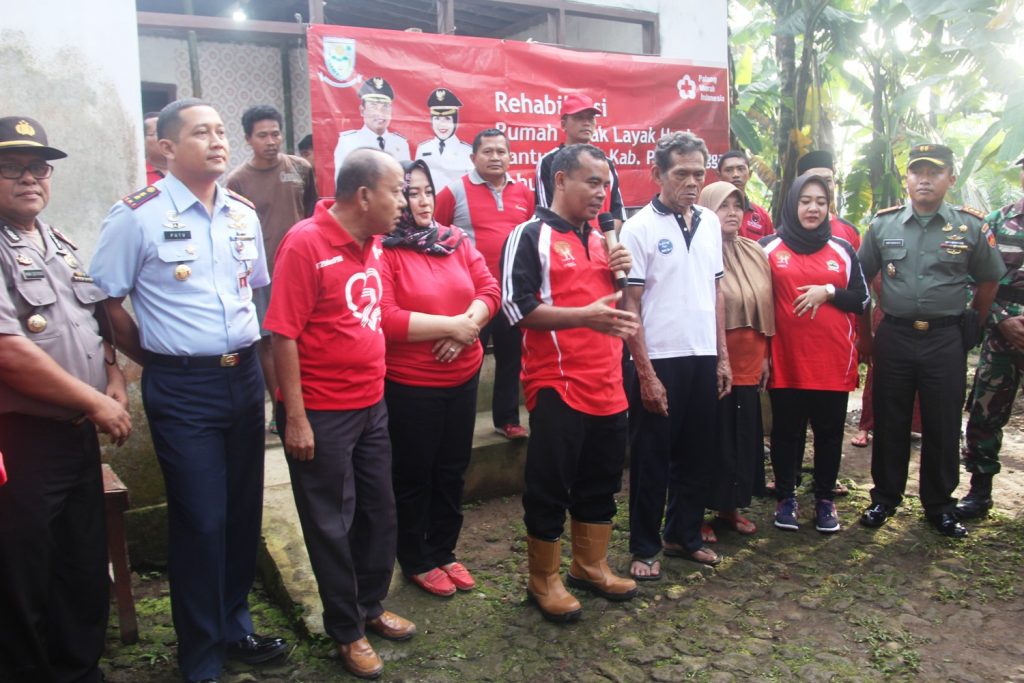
376, 100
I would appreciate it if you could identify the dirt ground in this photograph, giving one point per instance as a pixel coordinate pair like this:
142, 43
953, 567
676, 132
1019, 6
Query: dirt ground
897, 603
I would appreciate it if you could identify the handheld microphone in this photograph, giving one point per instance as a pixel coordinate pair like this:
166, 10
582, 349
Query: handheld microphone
607, 223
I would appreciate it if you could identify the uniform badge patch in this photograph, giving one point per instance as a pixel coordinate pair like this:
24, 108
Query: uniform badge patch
665, 246
244, 200
134, 201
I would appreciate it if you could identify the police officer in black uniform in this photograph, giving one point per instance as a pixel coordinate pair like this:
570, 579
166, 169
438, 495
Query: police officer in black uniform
59, 386
927, 251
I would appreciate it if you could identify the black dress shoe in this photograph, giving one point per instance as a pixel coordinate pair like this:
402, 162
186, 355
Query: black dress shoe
254, 649
947, 525
876, 515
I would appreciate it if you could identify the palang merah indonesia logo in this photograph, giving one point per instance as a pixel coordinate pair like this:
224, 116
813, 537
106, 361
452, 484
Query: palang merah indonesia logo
340, 60
687, 88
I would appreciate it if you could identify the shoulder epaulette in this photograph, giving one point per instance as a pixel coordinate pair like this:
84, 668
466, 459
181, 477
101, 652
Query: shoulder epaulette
244, 200
346, 133
971, 210
63, 238
891, 209
139, 198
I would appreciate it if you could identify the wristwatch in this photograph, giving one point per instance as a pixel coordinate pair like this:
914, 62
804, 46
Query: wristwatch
830, 290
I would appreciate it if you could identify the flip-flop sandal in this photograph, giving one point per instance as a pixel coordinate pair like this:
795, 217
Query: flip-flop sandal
707, 534
692, 557
649, 561
740, 524
682, 553
861, 441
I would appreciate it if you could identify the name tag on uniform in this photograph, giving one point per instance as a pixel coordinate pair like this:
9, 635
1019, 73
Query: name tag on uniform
32, 274
177, 234
892, 243
242, 237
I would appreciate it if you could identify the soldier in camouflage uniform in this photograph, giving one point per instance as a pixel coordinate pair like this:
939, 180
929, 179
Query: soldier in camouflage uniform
1002, 363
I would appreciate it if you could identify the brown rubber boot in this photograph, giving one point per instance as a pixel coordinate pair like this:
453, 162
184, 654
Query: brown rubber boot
590, 570
545, 585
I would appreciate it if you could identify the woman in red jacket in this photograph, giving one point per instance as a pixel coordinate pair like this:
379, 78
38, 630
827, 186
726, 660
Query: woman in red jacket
817, 282
438, 294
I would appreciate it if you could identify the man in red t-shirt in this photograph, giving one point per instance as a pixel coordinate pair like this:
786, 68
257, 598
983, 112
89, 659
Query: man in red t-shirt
557, 288
734, 167
329, 354
487, 204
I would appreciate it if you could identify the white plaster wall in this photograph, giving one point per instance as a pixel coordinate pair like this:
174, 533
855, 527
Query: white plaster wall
690, 29
74, 67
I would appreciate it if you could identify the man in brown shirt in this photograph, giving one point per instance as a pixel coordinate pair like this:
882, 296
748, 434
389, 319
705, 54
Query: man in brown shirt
283, 188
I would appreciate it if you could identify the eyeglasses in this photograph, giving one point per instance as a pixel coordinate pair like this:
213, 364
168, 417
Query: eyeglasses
38, 169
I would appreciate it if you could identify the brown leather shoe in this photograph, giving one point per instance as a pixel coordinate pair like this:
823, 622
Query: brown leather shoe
590, 570
391, 626
545, 585
359, 659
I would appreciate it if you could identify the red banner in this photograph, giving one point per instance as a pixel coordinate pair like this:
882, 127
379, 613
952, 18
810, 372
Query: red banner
513, 86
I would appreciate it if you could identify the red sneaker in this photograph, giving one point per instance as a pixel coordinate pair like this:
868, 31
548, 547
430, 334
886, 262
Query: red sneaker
435, 581
460, 576
511, 432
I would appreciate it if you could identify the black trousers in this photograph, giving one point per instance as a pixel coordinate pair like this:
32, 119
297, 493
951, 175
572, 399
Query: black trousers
792, 409
347, 512
208, 431
672, 455
574, 462
431, 432
508, 357
931, 365
54, 589
739, 450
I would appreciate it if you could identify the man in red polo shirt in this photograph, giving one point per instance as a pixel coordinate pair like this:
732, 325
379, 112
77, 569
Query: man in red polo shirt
557, 288
734, 167
329, 353
487, 204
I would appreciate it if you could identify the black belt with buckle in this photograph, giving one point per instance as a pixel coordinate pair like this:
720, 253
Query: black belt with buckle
1010, 293
924, 325
224, 360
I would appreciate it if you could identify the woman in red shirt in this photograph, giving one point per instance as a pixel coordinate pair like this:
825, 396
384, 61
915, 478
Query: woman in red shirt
438, 294
817, 282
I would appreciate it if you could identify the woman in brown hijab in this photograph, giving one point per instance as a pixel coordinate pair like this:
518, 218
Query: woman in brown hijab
749, 322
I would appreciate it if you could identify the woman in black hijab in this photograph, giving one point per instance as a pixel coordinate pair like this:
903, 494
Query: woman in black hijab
818, 288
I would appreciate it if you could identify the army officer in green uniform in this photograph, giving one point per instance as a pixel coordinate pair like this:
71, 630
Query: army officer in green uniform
927, 252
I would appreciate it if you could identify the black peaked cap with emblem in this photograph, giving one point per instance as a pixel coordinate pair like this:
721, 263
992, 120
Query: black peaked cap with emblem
22, 134
376, 88
443, 102
821, 158
940, 155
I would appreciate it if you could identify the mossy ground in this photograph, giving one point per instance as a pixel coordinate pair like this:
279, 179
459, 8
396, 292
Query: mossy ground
897, 603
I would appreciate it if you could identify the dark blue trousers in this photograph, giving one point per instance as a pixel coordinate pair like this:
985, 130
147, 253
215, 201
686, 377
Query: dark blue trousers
671, 456
208, 432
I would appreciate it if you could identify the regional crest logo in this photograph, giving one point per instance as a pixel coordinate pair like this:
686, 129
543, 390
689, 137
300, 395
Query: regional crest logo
340, 61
